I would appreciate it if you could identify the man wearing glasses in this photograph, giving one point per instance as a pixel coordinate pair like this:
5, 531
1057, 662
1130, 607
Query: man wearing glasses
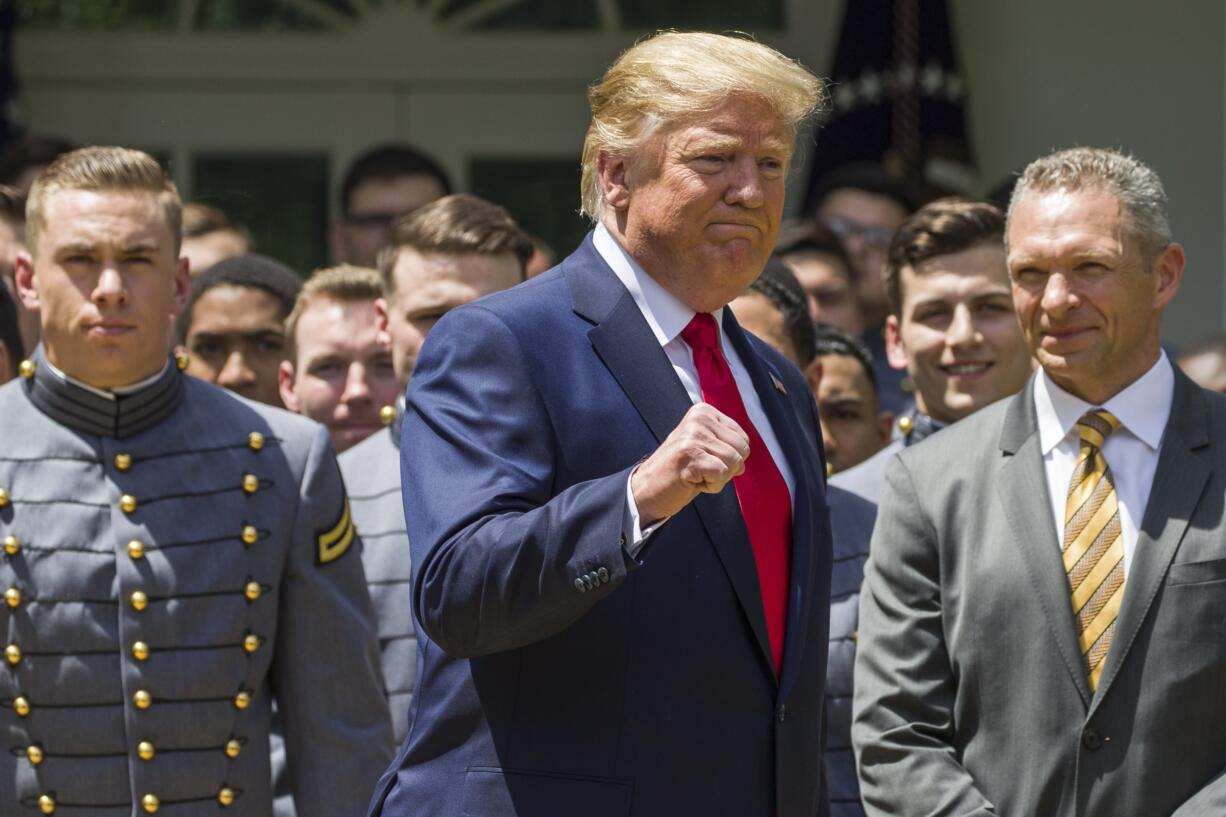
863, 205
380, 186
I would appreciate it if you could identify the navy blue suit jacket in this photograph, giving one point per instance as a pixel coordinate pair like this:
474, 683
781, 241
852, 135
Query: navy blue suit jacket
651, 692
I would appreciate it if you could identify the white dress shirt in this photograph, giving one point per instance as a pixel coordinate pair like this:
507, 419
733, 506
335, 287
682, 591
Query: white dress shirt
1131, 451
667, 316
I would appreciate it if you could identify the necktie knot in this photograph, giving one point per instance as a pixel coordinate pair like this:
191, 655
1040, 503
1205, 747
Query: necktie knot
1095, 426
701, 332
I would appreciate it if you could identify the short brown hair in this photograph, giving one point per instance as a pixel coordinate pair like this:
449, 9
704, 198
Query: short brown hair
344, 283
945, 226
201, 219
12, 205
101, 169
455, 225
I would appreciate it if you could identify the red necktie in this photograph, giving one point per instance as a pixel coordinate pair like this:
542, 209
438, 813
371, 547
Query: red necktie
765, 502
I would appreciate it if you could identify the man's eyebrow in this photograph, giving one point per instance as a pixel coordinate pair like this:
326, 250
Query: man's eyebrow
249, 334
140, 246
843, 401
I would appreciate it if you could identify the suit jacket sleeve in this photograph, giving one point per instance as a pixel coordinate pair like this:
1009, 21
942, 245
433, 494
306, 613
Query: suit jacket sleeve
903, 725
497, 544
1208, 802
327, 676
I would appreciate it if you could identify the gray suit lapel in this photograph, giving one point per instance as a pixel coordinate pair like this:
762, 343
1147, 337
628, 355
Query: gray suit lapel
1179, 482
1022, 485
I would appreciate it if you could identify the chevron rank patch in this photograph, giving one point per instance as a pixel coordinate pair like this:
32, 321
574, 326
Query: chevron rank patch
333, 542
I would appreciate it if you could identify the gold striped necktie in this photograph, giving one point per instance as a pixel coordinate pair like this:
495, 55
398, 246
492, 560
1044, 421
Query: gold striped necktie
1093, 544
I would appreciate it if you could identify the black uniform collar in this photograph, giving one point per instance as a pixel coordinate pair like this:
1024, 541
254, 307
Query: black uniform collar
107, 415
917, 426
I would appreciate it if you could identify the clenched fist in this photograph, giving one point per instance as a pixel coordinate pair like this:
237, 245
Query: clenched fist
703, 453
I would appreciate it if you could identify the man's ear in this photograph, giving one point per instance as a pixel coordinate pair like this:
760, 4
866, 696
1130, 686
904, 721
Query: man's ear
885, 426
285, 384
612, 170
1169, 268
895, 354
23, 278
813, 375
182, 285
381, 322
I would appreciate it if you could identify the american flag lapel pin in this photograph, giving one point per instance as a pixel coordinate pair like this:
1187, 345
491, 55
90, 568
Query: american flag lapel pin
778, 383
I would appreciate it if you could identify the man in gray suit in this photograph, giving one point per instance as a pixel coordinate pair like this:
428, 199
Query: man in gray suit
447, 253
174, 556
951, 325
1043, 625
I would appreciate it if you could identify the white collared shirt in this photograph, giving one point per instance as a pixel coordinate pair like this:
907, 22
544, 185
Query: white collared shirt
667, 316
109, 394
1131, 451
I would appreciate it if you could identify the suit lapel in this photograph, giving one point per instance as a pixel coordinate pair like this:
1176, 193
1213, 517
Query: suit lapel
1022, 488
1179, 481
632, 354
791, 439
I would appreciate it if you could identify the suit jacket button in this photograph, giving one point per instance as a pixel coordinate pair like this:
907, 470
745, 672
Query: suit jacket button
1091, 739
782, 714
580, 586
623, 542
603, 575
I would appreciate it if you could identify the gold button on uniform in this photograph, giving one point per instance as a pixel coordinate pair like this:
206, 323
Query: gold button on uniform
905, 424
250, 534
225, 796
11, 545
251, 643
144, 750
12, 597
46, 804
127, 503
142, 699
34, 754
27, 369
4, 497
136, 549
21, 705
242, 700
12, 654
139, 600
252, 591
233, 748
150, 803
387, 415
182, 359
123, 461
255, 441
140, 650
251, 483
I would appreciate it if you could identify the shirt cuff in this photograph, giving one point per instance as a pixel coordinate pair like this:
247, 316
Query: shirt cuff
632, 532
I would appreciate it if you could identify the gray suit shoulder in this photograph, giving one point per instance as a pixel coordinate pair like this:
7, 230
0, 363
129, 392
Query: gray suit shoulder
972, 439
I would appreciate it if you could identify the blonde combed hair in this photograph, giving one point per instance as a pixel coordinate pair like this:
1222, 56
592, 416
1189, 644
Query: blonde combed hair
104, 169
344, 283
672, 77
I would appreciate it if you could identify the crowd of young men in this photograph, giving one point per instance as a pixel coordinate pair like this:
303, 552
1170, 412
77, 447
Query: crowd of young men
593, 564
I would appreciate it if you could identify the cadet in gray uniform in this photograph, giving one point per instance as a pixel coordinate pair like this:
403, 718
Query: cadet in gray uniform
173, 556
443, 255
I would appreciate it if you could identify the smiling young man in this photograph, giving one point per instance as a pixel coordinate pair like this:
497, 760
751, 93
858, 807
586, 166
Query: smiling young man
174, 556
951, 327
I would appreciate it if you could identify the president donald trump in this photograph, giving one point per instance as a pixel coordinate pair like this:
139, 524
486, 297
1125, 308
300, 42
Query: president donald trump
621, 555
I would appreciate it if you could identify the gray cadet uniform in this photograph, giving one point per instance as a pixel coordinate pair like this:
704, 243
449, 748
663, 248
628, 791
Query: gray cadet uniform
172, 556
851, 523
372, 477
